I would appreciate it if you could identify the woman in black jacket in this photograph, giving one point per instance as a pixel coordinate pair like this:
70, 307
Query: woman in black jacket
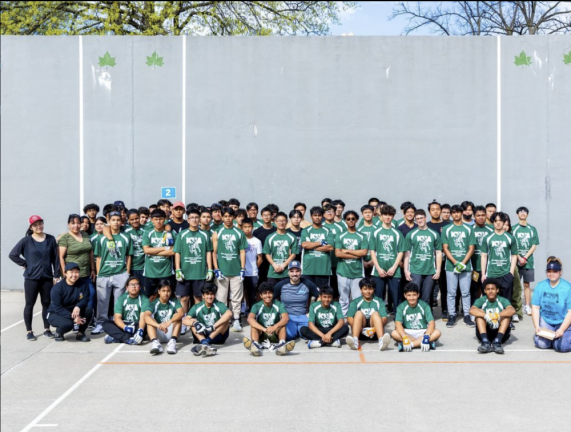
70, 305
41, 270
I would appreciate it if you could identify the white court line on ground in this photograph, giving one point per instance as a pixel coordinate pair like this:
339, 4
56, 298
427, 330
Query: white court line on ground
340, 351
19, 322
54, 404
47, 425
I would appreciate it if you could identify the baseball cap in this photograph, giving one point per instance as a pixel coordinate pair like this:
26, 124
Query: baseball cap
553, 265
114, 213
178, 204
34, 218
294, 264
119, 204
71, 265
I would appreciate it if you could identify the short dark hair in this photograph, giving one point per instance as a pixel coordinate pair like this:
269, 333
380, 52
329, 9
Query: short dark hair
372, 200
467, 204
205, 210
388, 210
233, 201
492, 281
327, 207
191, 205
228, 210
445, 206
266, 209
479, 208
152, 207
434, 202
456, 209
108, 208
247, 221
281, 214
491, 205
367, 207
408, 207
241, 212
295, 213
338, 202
503, 217
316, 210
266, 286
324, 200
406, 204
144, 211
366, 282
133, 211
349, 213
91, 207
300, 204
209, 288
326, 290
193, 210
166, 283
419, 212
273, 208
158, 213
223, 203
252, 205
522, 208
163, 202
411, 287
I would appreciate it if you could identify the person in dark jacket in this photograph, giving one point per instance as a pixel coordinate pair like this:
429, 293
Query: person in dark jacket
70, 304
38, 254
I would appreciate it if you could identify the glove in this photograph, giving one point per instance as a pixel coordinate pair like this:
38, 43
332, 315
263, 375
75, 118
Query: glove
168, 241
218, 274
199, 327
138, 337
406, 344
111, 245
179, 276
209, 329
493, 320
242, 274
209, 275
324, 243
425, 344
368, 331
129, 329
459, 267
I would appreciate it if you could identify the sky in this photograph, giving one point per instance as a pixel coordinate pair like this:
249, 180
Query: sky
372, 19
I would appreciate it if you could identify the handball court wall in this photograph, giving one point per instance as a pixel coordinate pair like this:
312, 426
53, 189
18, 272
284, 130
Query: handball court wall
285, 119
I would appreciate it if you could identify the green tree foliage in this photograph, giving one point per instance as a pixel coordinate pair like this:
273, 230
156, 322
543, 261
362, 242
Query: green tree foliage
170, 17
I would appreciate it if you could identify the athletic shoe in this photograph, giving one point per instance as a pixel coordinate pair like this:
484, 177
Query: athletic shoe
252, 346
336, 343
444, 316
75, 328
30, 336
110, 339
400, 347
433, 345
314, 344
48, 334
97, 330
198, 350
246, 342
82, 337
497, 348
156, 347
515, 318
485, 348
512, 327
266, 344
210, 351
236, 326
58, 337
171, 347
384, 342
91, 325
284, 347
451, 321
527, 310
183, 330
353, 342
468, 321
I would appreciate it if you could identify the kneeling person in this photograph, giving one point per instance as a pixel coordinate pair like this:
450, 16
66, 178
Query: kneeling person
164, 320
268, 319
414, 323
493, 316
367, 317
326, 325
209, 321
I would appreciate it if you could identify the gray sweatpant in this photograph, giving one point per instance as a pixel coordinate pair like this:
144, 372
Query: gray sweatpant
452, 280
104, 286
348, 290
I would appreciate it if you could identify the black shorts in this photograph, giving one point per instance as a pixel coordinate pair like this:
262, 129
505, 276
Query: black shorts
363, 337
492, 333
189, 287
151, 285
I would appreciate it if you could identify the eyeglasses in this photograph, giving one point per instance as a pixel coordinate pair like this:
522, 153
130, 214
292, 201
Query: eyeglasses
350, 219
134, 285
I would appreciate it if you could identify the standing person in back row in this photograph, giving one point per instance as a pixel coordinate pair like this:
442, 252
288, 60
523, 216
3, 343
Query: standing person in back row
41, 266
135, 231
177, 222
317, 242
280, 249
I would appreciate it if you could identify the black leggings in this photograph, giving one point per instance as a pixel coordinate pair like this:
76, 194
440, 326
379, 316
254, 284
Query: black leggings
33, 287
64, 325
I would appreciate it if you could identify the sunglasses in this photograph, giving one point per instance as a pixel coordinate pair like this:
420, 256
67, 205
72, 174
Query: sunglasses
350, 219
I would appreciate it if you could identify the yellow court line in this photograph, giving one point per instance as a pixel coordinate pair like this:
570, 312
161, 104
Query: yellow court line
362, 362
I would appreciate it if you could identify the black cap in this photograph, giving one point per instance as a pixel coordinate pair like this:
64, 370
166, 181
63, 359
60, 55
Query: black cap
553, 265
71, 265
119, 204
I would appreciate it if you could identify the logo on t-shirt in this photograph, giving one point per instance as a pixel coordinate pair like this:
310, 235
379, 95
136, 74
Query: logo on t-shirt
551, 296
424, 243
388, 241
480, 236
523, 238
350, 244
499, 246
229, 242
458, 237
194, 245
282, 247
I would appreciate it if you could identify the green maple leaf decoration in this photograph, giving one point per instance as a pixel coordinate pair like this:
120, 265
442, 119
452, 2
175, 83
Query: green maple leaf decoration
522, 60
567, 58
107, 60
154, 60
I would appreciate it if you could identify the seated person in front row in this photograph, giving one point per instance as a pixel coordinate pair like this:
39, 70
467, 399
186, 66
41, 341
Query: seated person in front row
268, 319
164, 319
326, 325
367, 317
209, 321
414, 323
493, 316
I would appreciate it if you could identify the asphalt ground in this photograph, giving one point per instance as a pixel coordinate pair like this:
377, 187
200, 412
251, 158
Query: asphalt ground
70, 386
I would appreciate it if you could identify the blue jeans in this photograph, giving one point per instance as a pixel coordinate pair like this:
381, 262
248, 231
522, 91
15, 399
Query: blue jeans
562, 344
294, 325
91, 290
463, 279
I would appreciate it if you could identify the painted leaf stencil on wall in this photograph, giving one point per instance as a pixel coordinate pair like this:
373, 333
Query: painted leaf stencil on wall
522, 60
567, 58
107, 60
155, 60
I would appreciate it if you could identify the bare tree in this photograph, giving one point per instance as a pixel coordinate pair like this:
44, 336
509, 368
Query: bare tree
486, 17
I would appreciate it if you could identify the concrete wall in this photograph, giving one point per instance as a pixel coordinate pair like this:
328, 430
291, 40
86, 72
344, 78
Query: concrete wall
284, 120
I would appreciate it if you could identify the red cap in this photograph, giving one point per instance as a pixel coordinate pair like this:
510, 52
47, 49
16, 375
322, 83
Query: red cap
34, 218
178, 204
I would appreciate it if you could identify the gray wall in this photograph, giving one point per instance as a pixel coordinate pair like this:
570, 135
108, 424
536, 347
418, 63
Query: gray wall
284, 120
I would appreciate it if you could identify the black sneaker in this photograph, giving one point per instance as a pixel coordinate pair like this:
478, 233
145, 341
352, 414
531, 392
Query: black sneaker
58, 337
485, 348
497, 348
451, 321
512, 327
30, 336
468, 321
444, 316
82, 337
48, 334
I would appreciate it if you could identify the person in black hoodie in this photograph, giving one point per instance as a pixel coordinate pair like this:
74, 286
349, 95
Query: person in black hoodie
70, 304
38, 254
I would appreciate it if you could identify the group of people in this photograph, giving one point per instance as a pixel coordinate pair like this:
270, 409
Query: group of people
167, 269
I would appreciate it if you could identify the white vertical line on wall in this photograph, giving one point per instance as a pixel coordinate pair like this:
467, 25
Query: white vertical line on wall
499, 124
81, 182
183, 195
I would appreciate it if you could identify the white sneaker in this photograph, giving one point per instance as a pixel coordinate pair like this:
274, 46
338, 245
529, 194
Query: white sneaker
97, 330
515, 318
527, 310
353, 342
171, 347
336, 343
156, 347
236, 326
384, 342
183, 330
314, 344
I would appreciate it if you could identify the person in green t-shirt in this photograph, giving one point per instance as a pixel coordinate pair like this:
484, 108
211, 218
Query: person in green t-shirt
493, 316
481, 231
326, 325
350, 248
209, 321
337, 229
490, 210
128, 323
135, 231
367, 229
217, 222
268, 319
317, 242
252, 210
414, 323
280, 249
367, 317
164, 319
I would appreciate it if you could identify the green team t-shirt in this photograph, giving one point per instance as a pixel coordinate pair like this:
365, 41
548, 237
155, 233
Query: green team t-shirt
414, 318
193, 247
500, 248
459, 239
422, 245
495, 307
367, 231
258, 223
315, 263
336, 229
325, 317
351, 268
216, 227
131, 308
480, 233
387, 244
157, 266
93, 239
376, 222
113, 262
367, 307
526, 237
280, 247
162, 312
268, 315
136, 236
230, 243
207, 315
